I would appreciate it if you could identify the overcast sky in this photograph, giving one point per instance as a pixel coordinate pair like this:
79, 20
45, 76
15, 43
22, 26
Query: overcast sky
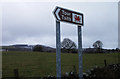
34, 23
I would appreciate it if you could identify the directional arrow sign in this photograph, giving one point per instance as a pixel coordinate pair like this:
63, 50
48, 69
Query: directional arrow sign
69, 16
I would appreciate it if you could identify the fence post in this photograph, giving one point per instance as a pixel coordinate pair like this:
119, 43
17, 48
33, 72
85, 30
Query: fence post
74, 69
16, 74
105, 62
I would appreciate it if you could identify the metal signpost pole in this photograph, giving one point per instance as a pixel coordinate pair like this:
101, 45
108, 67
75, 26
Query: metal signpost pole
80, 52
58, 51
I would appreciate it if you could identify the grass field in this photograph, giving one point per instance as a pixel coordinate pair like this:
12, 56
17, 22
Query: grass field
36, 64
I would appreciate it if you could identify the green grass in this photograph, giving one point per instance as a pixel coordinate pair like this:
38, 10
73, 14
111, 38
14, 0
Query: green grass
36, 64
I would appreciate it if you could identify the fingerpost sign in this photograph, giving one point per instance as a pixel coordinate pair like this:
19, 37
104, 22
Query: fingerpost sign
65, 15
69, 16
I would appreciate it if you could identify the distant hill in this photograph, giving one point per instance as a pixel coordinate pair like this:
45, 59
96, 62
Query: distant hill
17, 47
25, 47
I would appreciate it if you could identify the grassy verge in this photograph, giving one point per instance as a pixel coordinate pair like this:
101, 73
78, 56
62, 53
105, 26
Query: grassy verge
36, 64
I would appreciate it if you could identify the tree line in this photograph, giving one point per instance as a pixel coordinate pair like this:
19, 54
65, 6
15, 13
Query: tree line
69, 46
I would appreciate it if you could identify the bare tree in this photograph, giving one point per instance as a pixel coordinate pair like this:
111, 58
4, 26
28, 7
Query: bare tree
68, 44
98, 44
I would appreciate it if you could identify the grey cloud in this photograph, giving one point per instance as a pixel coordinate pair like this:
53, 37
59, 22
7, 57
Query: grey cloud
34, 23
